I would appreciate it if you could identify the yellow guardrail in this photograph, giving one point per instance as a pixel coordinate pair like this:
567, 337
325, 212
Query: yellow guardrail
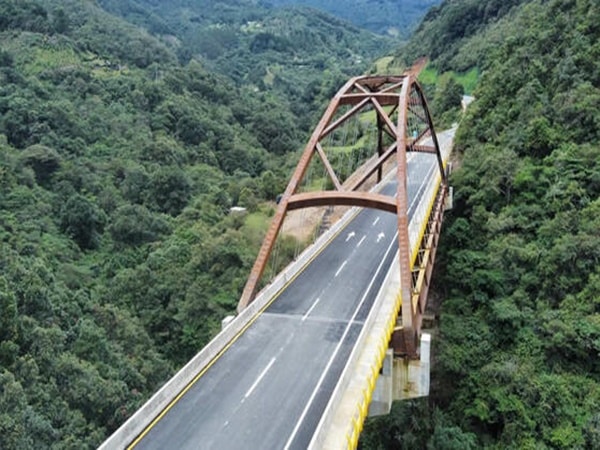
362, 405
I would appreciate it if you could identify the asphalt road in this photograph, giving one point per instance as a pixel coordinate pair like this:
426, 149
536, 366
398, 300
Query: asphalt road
269, 389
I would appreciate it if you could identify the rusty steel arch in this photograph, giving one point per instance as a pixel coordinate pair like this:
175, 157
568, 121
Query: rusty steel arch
403, 95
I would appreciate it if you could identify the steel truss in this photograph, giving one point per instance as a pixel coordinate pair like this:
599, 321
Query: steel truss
401, 95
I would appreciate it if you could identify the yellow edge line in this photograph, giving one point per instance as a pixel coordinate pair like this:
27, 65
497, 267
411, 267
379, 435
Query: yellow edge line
357, 425
424, 226
232, 341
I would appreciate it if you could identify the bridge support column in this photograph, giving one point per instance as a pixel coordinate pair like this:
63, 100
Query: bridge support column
402, 379
411, 376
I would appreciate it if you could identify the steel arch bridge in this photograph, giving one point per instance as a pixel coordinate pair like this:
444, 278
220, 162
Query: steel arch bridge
247, 375
404, 125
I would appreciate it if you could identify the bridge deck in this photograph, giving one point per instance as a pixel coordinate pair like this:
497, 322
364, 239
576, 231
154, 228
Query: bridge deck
269, 389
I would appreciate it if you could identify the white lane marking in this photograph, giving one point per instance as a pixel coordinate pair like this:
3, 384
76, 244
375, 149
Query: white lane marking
361, 241
340, 269
226, 423
350, 236
260, 377
380, 236
310, 309
423, 184
337, 348
375, 221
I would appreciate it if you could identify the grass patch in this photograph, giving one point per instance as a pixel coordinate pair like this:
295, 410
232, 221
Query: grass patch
468, 80
50, 59
270, 74
257, 221
428, 75
382, 65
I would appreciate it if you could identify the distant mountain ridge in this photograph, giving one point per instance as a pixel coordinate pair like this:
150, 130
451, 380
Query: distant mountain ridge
393, 17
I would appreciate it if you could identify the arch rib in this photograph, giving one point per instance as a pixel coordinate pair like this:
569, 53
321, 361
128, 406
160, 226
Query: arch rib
401, 94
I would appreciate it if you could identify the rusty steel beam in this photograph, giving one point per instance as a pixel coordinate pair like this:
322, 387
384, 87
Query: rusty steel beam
267, 246
408, 315
393, 87
380, 151
386, 119
343, 118
376, 165
380, 91
405, 338
385, 99
419, 116
344, 198
436, 144
361, 88
328, 168
429, 246
376, 81
422, 134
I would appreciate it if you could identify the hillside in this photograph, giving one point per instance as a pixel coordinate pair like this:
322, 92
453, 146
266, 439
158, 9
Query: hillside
517, 356
118, 166
300, 54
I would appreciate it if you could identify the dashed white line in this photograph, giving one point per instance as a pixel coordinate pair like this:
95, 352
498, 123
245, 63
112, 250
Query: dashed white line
340, 269
260, 377
422, 186
361, 241
375, 221
310, 309
337, 349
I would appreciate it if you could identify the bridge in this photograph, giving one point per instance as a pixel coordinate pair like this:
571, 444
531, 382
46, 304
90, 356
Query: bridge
307, 357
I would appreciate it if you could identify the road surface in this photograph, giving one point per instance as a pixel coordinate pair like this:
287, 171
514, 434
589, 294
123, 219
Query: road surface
269, 389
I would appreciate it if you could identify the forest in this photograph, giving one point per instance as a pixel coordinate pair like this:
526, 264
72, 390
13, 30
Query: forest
128, 129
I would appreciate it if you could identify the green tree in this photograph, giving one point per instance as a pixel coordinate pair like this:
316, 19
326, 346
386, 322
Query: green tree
83, 221
43, 160
169, 190
135, 224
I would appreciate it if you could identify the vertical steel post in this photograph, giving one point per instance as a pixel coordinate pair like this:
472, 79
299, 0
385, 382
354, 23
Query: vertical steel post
408, 315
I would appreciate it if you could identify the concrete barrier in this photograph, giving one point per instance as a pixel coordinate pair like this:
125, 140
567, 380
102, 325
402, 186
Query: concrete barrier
331, 431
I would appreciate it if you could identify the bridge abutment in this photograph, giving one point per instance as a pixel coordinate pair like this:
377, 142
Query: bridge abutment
401, 379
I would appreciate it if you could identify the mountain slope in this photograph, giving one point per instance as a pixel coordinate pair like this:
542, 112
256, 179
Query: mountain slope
518, 353
301, 54
118, 167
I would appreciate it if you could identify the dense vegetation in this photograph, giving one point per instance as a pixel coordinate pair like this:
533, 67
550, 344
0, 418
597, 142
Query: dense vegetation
123, 144
518, 350
119, 161
300, 54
